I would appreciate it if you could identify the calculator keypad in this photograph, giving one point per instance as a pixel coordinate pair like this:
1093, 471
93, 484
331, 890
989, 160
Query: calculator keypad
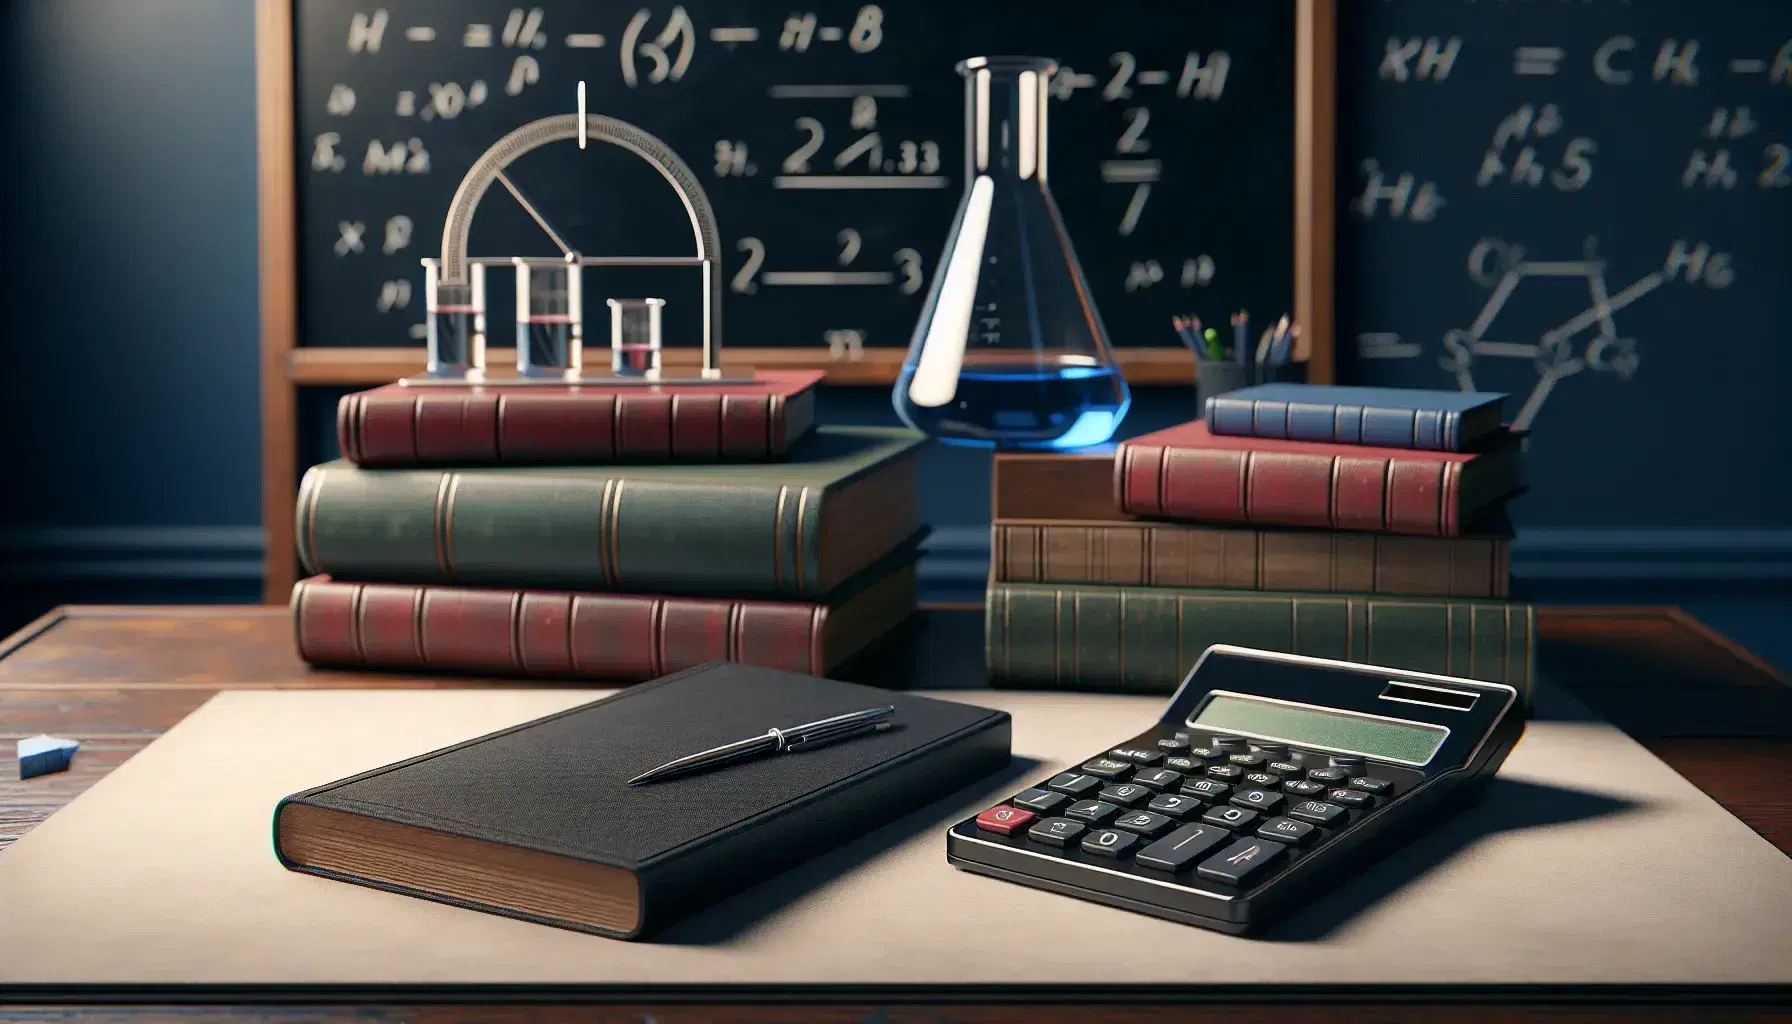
1216, 813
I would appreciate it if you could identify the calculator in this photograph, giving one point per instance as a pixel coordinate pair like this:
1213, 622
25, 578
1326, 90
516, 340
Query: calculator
1270, 777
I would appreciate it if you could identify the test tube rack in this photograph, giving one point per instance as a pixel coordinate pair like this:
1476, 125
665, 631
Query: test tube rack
463, 321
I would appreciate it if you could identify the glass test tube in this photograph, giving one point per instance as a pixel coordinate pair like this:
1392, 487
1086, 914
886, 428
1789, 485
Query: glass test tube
549, 327
635, 337
456, 321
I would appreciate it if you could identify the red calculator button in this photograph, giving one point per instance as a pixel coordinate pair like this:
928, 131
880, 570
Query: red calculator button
1004, 820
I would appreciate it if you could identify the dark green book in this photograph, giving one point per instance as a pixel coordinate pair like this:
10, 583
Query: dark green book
844, 498
1145, 639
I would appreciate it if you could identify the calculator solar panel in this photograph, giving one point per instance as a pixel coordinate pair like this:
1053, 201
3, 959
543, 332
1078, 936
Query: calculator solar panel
1268, 777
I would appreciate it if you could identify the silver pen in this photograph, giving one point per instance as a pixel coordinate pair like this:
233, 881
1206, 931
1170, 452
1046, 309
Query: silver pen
774, 741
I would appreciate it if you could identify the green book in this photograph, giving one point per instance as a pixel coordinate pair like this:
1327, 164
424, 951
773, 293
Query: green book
843, 498
1145, 639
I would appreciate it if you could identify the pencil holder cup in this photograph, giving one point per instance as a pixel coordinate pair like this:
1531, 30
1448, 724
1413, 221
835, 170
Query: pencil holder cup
1216, 378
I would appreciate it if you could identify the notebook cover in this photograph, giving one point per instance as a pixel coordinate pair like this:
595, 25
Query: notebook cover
557, 785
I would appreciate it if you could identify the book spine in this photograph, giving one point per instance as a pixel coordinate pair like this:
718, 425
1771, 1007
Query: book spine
545, 634
1246, 559
420, 426
1331, 423
1369, 493
1140, 640
576, 533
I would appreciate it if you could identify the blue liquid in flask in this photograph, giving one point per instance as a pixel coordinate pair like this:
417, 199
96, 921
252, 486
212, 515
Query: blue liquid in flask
1009, 351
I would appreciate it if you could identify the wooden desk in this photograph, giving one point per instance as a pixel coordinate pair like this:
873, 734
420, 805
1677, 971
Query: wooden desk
117, 677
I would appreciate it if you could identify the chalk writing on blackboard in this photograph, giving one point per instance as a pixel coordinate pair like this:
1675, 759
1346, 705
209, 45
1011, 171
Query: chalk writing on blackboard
1535, 147
831, 132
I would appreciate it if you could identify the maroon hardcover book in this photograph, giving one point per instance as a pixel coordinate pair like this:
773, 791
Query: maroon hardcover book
554, 634
1186, 473
497, 424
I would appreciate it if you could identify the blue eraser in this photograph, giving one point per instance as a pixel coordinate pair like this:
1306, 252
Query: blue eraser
45, 755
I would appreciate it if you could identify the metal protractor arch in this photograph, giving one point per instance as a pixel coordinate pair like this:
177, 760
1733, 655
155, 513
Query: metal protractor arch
564, 127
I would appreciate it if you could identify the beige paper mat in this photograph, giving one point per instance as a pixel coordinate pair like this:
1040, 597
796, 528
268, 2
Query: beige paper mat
1590, 861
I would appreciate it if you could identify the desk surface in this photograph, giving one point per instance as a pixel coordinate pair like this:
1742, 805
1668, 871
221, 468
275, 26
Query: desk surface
117, 677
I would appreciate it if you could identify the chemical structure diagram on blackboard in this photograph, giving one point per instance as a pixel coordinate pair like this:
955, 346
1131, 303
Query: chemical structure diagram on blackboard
1561, 351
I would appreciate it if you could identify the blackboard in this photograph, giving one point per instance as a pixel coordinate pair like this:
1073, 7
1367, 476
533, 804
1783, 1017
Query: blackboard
1586, 204
1172, 154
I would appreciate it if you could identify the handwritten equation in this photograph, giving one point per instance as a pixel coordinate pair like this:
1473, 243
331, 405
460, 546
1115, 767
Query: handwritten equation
856, 135
1674, 142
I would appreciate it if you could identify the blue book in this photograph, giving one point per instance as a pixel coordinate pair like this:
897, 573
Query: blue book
1439, 421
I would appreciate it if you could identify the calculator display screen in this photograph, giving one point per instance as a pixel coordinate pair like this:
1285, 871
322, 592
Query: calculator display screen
1302, 725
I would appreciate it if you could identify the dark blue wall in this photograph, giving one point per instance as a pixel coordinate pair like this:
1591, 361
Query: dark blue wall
129, 412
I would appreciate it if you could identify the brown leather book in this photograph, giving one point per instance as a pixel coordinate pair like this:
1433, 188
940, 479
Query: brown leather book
499, 424
623, 638
1245, 558
1048, 485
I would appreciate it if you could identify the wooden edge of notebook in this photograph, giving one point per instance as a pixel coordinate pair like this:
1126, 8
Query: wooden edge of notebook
475, 873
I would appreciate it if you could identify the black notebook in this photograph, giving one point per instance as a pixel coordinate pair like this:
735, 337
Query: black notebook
538, 822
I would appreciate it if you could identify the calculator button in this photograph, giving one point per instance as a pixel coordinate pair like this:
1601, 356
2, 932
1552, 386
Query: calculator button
1350, 798
1375, 787
1137, 755
1183, 764
1284, 768
1158, 778
1074, 783
1224, 771
1229, 817
1348, 762
1174, 804
1270, 749
1108, 842
1205, 753
1231, 744
1241, 862
1262, 780
1301, 787
1287, 830
1257, 799
1055, 831
1181, 848
1246, 760
1109, 768
1173, 745
1144, 823
1125, 794
1329, 776
1206, 789
1092, 811
1316, 811
1044, 801
1004, 820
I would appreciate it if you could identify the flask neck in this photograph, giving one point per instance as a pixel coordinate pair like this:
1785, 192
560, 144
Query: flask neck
1005, 115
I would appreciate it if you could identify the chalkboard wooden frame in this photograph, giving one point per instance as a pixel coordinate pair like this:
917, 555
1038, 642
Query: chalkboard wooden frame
286, 367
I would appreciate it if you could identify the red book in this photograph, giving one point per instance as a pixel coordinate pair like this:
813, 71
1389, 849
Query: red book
1185, 473
499, 424
553, 634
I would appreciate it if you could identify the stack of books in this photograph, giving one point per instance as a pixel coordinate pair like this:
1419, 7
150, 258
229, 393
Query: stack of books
616, 533
1361, 524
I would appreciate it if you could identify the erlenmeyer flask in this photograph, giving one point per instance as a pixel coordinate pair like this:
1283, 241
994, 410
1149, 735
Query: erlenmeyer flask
1009, 350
